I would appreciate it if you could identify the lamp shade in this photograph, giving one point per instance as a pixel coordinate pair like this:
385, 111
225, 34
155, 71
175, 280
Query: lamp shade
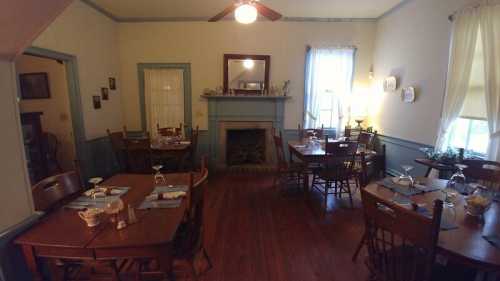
245, 14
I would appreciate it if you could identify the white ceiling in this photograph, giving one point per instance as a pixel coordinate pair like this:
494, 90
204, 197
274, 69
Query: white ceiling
200, 9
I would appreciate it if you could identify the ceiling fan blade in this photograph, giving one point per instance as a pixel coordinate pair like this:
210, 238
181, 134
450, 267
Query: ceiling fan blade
222, 14
267, 12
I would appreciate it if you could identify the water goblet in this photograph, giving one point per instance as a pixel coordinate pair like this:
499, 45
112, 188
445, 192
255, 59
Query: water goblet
406, 177
159, 178
95, 188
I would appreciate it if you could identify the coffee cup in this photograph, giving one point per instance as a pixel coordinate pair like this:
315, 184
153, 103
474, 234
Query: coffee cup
90, 216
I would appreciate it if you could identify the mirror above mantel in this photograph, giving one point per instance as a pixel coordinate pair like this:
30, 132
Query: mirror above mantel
246, 75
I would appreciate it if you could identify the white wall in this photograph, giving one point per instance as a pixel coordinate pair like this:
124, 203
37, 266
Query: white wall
15, 198
92, 38
412, 43
203, 45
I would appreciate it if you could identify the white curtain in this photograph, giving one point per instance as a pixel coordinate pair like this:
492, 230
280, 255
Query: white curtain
463, 44
327, 69
164, 91
490, 31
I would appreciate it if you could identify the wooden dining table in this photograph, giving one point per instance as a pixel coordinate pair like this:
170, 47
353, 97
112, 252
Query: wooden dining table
62, 234
465, 244
177, 150
314, 154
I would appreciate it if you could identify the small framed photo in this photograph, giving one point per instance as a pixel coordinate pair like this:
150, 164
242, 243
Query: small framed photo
105, 93
112, 83
390, 84
34, 85
408, 95
97, 101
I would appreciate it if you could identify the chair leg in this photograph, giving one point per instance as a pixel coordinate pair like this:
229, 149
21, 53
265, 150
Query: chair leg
350, 195
359, 247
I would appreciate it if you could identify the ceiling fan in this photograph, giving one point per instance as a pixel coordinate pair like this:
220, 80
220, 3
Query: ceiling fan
246, 11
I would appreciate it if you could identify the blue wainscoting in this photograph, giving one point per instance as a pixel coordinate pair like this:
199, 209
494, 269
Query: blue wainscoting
104, 163
12, 264
400, 152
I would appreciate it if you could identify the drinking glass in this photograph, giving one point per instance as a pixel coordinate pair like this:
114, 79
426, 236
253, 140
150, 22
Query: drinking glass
158, 176
458, 180
406, 177
94, 182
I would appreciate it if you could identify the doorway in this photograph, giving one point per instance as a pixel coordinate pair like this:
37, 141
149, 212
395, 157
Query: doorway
49, 104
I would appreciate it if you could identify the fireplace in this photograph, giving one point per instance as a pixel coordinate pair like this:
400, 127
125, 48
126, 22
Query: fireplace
245, 146
245, 143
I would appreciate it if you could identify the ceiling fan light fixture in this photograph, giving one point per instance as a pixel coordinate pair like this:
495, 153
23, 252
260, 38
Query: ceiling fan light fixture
245, 14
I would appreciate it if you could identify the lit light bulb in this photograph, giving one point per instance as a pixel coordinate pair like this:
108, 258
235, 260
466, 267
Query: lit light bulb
248, 63
245, 14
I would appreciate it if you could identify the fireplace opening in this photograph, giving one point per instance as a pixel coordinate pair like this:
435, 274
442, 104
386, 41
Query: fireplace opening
245, 146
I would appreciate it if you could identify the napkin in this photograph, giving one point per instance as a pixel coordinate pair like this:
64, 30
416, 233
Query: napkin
166, 195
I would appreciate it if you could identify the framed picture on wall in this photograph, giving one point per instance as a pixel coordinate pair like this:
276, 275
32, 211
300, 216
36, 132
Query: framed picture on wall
112, 83
105, 93
34, 85
96, 101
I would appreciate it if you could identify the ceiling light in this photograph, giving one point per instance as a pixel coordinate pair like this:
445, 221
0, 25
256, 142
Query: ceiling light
248, 63
245, 14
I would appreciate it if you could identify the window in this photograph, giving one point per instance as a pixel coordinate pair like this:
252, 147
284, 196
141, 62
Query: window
328, 85
470, 131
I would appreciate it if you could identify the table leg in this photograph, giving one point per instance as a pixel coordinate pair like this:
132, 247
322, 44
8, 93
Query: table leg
306, 182
165, 261
29, 256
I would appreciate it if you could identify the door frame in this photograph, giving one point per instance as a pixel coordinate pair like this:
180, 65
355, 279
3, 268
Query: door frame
186, 77
75, 103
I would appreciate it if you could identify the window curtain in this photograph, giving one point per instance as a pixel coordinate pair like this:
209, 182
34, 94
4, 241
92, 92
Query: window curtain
327, 69
490, 32
463, 44
164, 90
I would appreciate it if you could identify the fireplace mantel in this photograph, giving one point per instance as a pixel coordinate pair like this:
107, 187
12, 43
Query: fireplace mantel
236, 110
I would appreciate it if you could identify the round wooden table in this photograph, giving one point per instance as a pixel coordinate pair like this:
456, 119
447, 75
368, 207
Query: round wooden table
464, 244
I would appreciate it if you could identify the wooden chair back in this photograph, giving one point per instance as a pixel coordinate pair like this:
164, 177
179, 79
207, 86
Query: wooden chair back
306, 133
138, 152
280, 152
50, 147
51, 192
194, 145
340, 158
347, 131
484, 172
401, 243
193, 240
365, 138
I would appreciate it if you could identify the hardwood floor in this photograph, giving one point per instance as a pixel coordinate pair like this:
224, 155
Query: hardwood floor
255, 232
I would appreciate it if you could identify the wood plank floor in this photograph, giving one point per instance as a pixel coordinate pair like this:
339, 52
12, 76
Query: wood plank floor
255, 232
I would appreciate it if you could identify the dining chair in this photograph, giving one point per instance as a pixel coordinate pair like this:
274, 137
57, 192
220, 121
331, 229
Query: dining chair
485, 172
401, 242
194, 146
286, 172
117, 141
347, 131
138, 152
53, 191
50, 147
188, 242
333, 177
